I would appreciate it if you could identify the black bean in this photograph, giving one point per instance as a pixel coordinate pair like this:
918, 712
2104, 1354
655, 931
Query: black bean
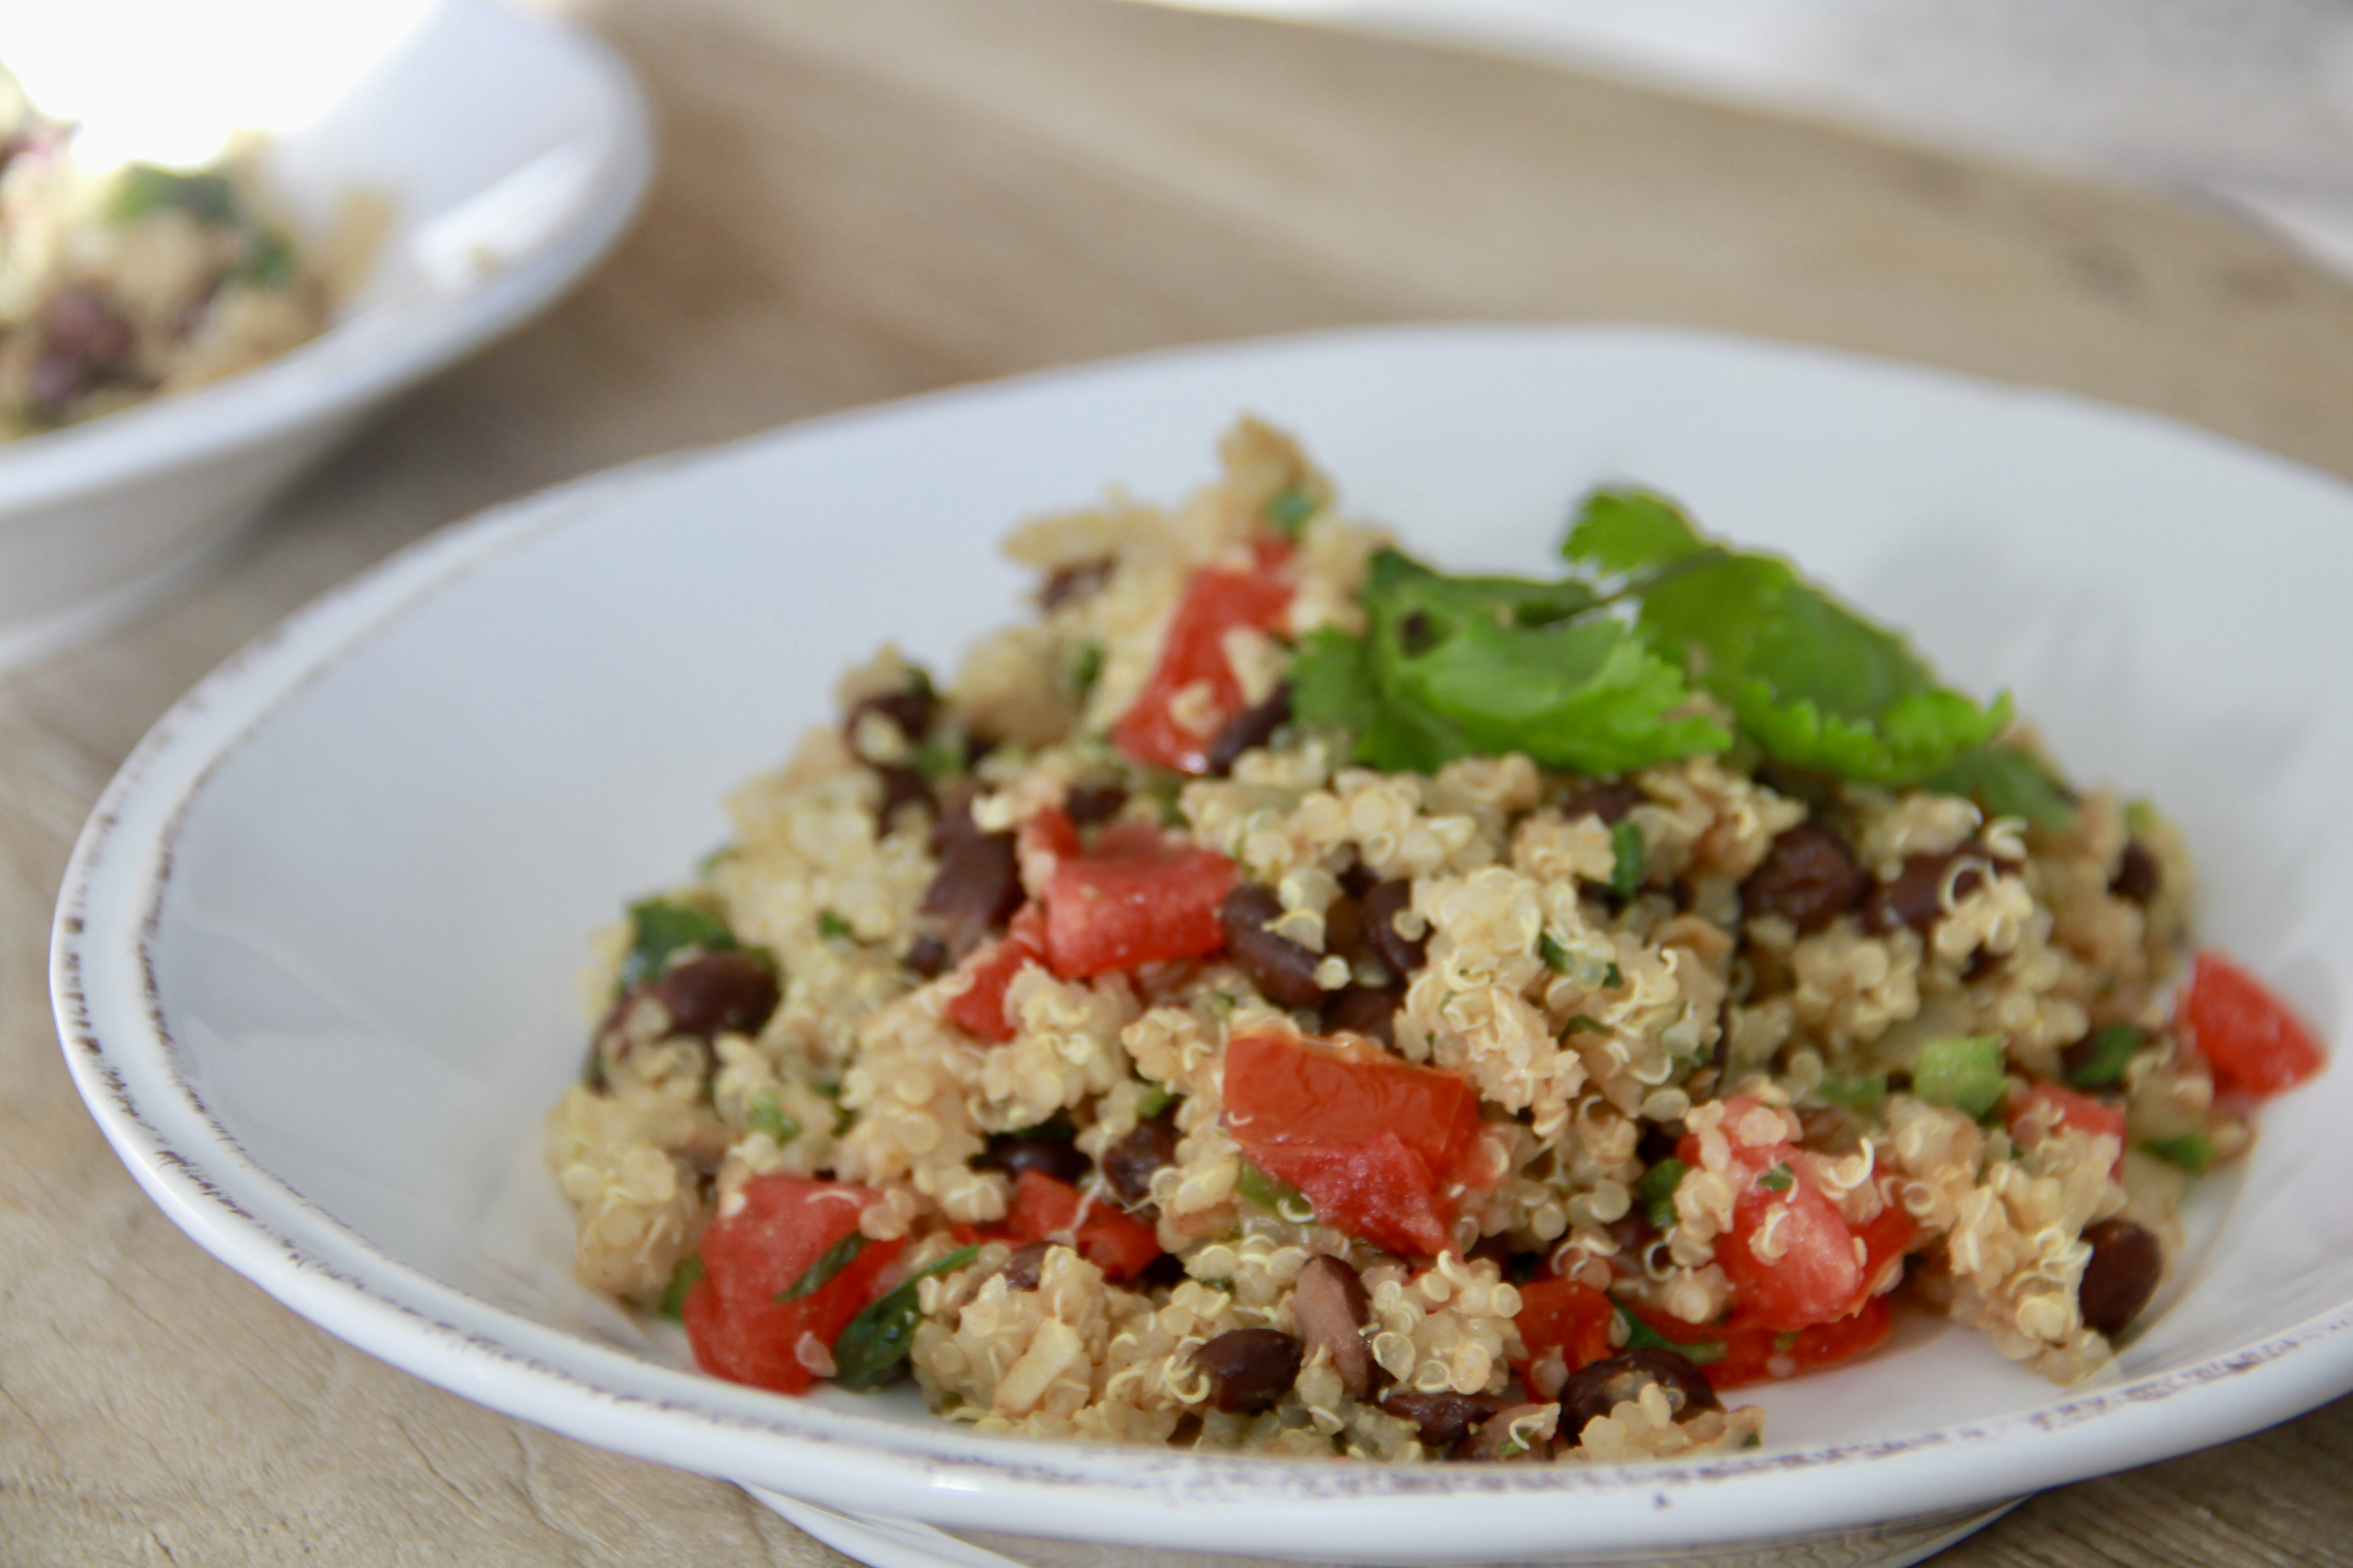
1610, 802
1098, 801
1442, 1418
1250, 1369
900, 787
84, 345
733, 992
1283, 971
1129, 1163
1807, 876
910, 708
2126, 1266
2138, 875
1249, 728
1915, 897
927, 955
1042, 1153
1382, 905
1022, 1269
1079, 579
1598, 1389
954, 821
977, 888
1331, 1309
1164, 1272
1367, 1010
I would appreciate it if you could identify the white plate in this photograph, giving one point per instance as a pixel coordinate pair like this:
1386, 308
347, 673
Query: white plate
513, 154
314, 959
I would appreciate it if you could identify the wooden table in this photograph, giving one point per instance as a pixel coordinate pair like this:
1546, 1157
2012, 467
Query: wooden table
862, 198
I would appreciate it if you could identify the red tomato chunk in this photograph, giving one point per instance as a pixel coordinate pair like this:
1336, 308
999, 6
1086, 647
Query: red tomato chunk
1790, 1254
1112, 911
1045, 1209
2060, 1106
2249, 1036
739, 1330
1216, 602
1566, 1315
1374, 1142
979, 1008
1742, 1351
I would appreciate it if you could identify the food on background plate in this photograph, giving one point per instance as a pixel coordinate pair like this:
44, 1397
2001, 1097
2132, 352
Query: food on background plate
120, 286
1285, 997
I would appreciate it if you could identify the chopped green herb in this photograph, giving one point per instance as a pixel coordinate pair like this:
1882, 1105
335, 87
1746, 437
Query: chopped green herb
765, 1115
2193, 1152
1579, 1023
2006, 782
1813, 683
2112, 1049
659, 929
1219, 1282
1657, 1191
1086, 668
267, 263
834, 1260
1555, 956
831, 926
592, 1069
1861, 1093
868, 1353
1633, 859
1780, 1179
1272, 1193
1457, 667
936, 761
681, 1280
1155, 1099
142, 188
1964, 1071
1640, 1336
1289, 511
1613, 978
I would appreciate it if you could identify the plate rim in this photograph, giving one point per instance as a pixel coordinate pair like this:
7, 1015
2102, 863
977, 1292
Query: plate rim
119, 1050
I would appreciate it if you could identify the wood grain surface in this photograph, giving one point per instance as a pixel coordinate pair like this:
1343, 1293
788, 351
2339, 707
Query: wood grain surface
862, 198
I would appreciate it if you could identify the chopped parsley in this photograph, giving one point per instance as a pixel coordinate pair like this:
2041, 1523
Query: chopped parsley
765, 1115
1780, 1179
1289, 511
868, 1353
1857, 1093
831, 926
831, 1262
660, 929
681, 1280
2193, 1152
1657, 1191
1631, 860
2112, 1051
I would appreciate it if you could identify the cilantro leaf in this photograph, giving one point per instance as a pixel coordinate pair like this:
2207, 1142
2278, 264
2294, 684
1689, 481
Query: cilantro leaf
1456, 667
2007, 782
1628, 531
1812, 682
660, 928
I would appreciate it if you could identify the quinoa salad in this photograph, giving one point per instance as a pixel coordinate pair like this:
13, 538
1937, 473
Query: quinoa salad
120, 286
1281, 996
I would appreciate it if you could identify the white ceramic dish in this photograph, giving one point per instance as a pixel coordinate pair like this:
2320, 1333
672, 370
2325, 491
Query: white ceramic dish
513, 154
314, 959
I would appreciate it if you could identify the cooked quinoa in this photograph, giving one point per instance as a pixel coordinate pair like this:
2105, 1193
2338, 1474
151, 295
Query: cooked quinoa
122, 286
1102, 1039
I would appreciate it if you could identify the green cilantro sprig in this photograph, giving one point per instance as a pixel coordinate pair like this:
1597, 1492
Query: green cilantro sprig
1597, 672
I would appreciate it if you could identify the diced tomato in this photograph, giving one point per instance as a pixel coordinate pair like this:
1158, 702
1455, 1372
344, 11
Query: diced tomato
1114, 1241
1216, 602
1742, 1351
2249, 1036
979, 1008
1886, 1236
1566, 1315
1049, 830
1790, 1254
2064, 1107
737, 1327
1107, 912
1374, 1142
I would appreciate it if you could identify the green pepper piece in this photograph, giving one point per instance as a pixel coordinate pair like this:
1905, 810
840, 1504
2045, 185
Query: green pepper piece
1964, 1071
